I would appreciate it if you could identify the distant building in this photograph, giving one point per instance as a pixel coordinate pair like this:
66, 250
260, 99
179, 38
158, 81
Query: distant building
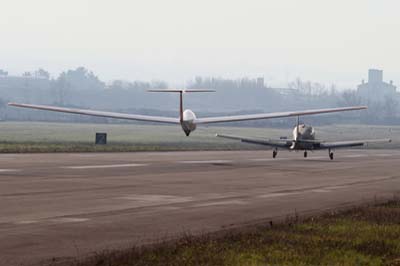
3, 73
376, 89
260, 82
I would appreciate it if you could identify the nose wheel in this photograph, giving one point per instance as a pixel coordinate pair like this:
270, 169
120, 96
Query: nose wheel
305, 154
274, 153
330, 154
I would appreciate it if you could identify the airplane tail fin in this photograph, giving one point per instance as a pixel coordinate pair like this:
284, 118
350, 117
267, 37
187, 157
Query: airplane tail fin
181, 92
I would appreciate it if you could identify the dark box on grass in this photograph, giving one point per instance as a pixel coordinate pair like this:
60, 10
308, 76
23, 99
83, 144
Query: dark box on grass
101, 138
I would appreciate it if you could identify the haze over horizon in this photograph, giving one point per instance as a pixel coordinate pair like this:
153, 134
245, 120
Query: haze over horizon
328, 42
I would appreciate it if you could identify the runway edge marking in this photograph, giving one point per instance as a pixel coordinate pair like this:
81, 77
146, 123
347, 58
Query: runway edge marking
103, 166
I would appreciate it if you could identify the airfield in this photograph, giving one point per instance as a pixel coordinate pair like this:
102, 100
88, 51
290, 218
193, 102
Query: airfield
68, 205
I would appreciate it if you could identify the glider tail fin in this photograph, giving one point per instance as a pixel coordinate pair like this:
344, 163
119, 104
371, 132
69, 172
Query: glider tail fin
181, 92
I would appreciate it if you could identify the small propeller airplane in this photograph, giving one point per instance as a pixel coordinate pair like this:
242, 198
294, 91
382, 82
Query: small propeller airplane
304, 140
187, 118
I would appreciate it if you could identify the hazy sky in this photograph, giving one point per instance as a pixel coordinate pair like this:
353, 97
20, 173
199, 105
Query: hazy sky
327, 41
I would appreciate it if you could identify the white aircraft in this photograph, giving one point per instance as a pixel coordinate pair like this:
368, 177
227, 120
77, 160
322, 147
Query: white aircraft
303, 139
187, 118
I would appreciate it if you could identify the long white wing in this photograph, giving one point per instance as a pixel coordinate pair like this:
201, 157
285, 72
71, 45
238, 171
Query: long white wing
274, 115
177, 121
159, 119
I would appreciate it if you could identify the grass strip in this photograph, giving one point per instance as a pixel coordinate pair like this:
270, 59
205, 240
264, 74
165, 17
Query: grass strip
366, 235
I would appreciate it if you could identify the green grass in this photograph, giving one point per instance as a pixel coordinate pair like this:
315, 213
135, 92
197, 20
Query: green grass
368, 235
75, 137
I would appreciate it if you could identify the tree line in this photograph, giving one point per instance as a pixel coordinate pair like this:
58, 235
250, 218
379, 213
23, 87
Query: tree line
80, 87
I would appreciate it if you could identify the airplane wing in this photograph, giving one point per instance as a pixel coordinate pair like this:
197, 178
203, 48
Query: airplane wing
159, 119
352, 143
177, 121
220, 119
267, 142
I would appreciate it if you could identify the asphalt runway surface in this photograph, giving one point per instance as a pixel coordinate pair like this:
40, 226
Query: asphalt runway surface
69, 205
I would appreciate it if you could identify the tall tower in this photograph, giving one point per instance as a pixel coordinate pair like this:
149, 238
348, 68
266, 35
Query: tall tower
375, 76
376, 90
260, 82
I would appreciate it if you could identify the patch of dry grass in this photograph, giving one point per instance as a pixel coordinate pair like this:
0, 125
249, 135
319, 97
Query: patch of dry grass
368, 235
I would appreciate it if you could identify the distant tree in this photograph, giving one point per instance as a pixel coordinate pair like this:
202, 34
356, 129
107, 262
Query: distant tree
3, 73
157, 84
390, 108
136, 85
309, 88
3, 106
60, 86
333, 91
303, 87
27, 74
374, 113
117, 85
139, 85
349, 98
198, 80
318, 89
81, 78
41, 73
3, 103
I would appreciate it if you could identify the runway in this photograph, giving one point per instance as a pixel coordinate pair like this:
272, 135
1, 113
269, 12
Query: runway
68, 205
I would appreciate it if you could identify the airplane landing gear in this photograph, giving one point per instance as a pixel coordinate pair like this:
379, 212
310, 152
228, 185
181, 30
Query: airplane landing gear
274, 153
330, 154
305, 154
